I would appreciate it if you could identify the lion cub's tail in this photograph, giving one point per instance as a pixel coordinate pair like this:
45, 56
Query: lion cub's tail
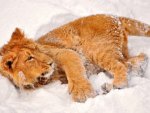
135, 27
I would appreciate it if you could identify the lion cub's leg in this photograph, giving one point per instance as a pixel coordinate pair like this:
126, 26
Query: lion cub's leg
79, 86
113, 62
136, 66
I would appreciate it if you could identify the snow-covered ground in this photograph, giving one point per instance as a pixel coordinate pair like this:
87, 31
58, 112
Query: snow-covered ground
37, 17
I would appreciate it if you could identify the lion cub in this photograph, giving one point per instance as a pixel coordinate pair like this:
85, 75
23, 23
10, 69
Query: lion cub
86, 44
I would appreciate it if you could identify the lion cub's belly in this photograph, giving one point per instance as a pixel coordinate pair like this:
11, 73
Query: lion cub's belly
91, 68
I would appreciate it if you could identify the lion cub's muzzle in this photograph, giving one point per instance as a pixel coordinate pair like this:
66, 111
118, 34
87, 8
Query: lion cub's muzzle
43, 79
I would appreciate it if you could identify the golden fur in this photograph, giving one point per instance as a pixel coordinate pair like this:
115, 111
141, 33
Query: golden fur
100, 39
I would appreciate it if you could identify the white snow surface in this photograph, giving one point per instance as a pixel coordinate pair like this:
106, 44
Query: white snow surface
36, 17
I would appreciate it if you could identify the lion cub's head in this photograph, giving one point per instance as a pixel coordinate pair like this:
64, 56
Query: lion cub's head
23, 62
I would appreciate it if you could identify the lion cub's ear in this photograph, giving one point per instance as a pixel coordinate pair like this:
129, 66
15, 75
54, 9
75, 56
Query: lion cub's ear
17, 35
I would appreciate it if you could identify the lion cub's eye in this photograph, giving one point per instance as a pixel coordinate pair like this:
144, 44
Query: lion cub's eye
9, 64
30, 58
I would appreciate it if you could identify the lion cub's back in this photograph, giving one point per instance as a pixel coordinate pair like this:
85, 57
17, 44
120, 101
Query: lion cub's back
77, 31
95, 25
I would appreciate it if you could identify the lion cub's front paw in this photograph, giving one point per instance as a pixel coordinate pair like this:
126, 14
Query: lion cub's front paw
82, 90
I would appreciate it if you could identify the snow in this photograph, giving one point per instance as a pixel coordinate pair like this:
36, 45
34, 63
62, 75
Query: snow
37, 17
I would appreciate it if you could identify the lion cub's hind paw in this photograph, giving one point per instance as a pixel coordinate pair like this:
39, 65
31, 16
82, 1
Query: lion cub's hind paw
140, 65
143, 65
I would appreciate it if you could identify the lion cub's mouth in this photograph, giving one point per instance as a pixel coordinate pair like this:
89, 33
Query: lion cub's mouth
43, 79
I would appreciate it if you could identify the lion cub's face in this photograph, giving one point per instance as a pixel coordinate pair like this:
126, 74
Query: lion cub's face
24, 64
